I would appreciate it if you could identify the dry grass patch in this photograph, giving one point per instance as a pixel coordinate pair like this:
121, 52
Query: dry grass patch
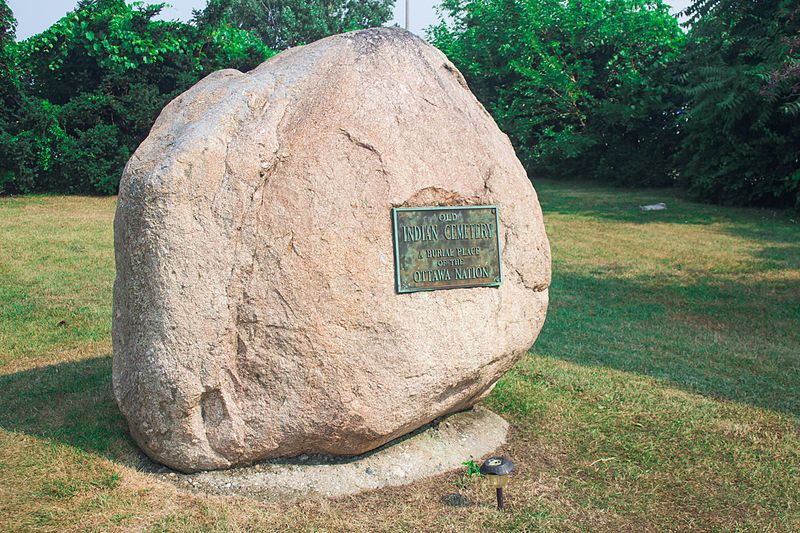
663, 394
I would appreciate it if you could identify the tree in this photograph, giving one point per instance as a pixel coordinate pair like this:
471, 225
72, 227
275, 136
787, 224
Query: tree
580, 86
220, 44
741, 81
97, 79
285, 23
9, 82
10, 97
86, 91
9, 89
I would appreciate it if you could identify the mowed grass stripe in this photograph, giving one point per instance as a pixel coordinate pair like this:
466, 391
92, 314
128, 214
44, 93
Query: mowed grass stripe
663, 393
56, 274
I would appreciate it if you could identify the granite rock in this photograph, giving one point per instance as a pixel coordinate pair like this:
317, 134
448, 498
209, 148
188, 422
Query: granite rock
255, 313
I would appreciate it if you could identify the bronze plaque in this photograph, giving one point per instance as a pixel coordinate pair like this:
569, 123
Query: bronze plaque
446, 247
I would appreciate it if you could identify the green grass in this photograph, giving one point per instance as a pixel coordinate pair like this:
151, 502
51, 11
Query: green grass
56, 273
662, 394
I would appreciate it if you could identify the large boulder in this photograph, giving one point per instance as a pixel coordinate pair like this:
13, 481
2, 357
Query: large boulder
255, 310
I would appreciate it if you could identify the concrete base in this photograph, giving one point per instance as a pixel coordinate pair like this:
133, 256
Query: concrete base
429, 451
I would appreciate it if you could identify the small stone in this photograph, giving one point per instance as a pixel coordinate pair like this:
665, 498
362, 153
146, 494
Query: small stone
370, 471
303, 458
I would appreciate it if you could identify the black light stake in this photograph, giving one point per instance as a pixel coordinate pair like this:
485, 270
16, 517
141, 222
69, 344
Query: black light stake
497, 469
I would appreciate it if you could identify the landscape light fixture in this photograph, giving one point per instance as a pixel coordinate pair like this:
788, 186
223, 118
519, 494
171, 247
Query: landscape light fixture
497, 469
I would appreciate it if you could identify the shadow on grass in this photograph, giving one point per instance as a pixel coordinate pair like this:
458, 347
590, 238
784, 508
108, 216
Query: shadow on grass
71, 403
737, 341
604, 203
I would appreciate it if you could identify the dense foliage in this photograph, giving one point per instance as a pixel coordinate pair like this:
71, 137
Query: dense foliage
78, 98
284, 23
611, 90
9, 82
741, 80
582, 87
10, 94
95, 82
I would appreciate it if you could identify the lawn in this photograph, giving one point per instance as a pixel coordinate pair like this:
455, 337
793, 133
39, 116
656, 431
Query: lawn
662, 394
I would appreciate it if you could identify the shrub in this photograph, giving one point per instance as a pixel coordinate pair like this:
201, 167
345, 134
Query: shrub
582, 87
95, 82
741, 81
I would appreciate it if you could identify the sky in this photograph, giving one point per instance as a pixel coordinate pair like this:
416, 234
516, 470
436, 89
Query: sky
34, 16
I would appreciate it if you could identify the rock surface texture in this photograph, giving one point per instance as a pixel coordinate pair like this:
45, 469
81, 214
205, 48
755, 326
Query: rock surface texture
255, 313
